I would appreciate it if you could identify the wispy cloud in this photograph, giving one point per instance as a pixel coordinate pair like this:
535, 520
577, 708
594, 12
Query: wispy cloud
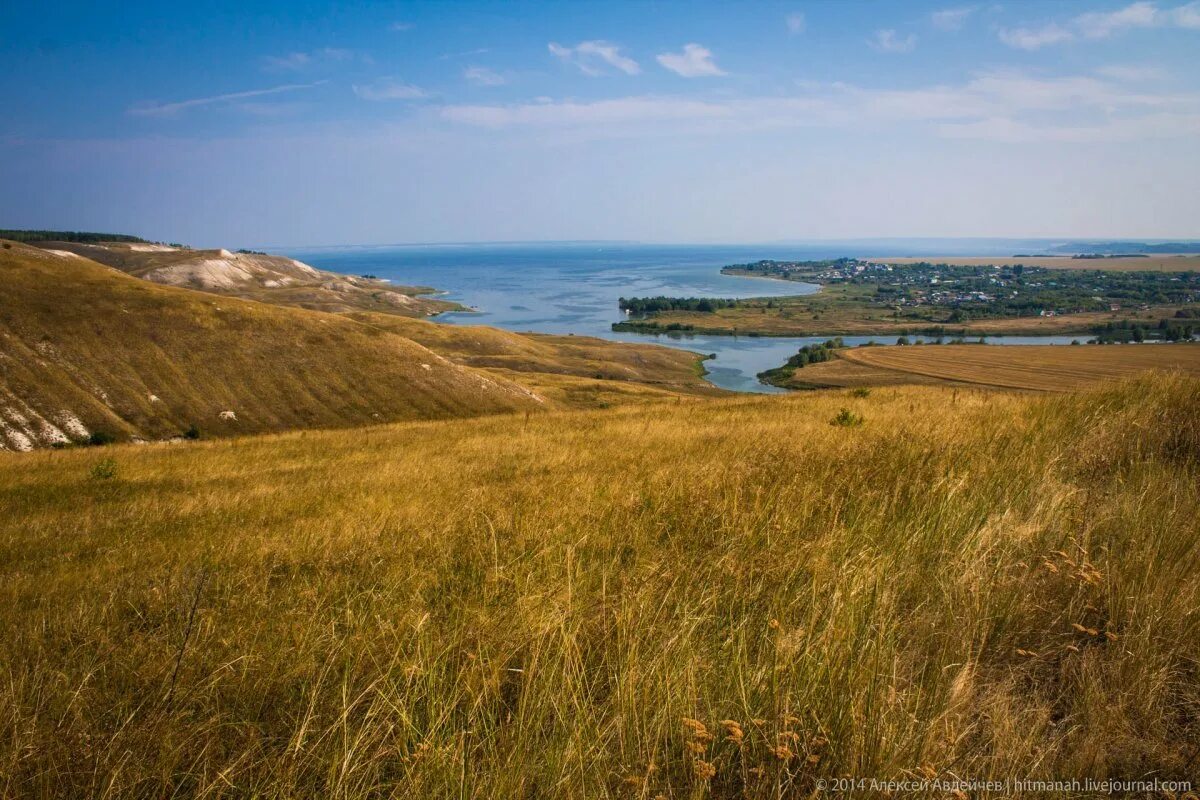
482, 76
292, 61
170, 109
478, 51
1000, 106
571, 114
1132, 73
1098, 25
1034, 38
888, 41
1105, 24
951, 19
595, 56
300, 60
796, 23
400, 27
696, 61
389, 89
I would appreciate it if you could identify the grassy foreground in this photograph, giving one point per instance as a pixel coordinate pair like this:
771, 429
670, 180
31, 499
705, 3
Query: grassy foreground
720, 597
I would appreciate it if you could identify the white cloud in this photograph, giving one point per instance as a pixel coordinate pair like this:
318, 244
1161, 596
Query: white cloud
887, 41
951, 19
593, 57
1104, 24
1132, 73
400, 27
569, 113
1034, 38
1002, 106
696, 61
170, 109
389, 89
1187, 16
796, 23
1001, 129
482, 76
1099, 25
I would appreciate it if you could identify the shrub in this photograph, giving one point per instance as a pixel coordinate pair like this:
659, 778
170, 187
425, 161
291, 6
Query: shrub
104, 470
192, 432
860, 391
100, 438
847, 419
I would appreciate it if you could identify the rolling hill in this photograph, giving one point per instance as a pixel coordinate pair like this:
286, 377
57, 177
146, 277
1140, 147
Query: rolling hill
255, 276
565, 367
86, 349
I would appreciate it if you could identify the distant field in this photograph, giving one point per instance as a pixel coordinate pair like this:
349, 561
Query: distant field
1043, 368
1166, 263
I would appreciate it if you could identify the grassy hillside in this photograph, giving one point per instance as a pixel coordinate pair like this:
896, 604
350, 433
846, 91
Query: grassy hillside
87, 349
578, 356
730, 597
257, 276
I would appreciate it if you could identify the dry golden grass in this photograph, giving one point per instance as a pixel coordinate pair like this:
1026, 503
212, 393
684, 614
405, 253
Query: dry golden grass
652, 366
132, 358
726, 598
265, 278
840, 373
1040, 367
1164, 263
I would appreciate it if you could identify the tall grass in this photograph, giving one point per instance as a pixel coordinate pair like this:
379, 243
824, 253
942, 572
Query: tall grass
725, 598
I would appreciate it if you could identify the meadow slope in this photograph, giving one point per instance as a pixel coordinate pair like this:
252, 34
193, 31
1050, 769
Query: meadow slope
727, 598
86, 349
278, 280
557, 364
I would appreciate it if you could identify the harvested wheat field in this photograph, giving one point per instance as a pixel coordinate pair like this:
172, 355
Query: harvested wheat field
700, 598
1038, 367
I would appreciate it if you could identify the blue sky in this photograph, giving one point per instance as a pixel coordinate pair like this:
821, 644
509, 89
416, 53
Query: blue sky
295, 123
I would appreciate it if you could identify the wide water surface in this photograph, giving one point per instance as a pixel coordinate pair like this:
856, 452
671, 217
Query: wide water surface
573, 289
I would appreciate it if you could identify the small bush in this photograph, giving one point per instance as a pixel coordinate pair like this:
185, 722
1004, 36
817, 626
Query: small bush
100, 438
104, 470
847, 419
192, 432
860, 391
